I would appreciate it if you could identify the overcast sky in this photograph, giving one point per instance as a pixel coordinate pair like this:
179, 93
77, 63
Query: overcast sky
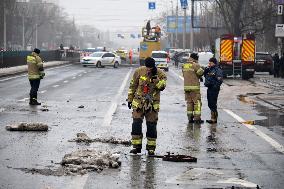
124, 15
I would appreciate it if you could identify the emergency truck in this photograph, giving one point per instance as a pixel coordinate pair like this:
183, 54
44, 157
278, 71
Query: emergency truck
236, 55
150, 43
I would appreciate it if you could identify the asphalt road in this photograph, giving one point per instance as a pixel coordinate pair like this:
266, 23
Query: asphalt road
229, 154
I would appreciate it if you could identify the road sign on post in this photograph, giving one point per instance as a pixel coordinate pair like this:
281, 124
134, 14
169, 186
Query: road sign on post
279, 9
151, 5
184, 4
279, 30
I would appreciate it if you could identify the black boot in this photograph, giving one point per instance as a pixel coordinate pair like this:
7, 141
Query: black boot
33, 101
190, 119
213, 119
151, 152
135, 151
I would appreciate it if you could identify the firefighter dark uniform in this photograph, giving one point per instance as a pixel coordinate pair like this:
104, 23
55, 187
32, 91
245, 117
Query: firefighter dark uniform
213, 80
192, 72
35, 74
144, 99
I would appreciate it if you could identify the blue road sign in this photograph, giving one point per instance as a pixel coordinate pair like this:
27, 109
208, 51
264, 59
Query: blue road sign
152, 5
171, 24
184, 4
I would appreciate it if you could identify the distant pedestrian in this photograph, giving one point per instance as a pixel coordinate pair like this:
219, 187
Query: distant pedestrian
281, 70
276, 65
148, 27
35, 74
130, 55
213, 80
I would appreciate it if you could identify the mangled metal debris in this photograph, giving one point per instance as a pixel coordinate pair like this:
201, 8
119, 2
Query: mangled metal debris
83, 137
83, 161
27, 127
175, 158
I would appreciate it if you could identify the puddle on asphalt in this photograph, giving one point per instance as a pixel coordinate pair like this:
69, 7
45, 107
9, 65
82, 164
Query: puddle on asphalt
274, 119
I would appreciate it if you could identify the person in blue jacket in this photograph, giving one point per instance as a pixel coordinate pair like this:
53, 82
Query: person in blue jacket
213, 80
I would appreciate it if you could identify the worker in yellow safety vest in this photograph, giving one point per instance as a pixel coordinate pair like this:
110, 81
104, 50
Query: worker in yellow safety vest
192, 73
144, 98
35, 74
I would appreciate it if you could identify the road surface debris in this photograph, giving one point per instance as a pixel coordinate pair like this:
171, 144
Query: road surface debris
81, 106
27, 127
83, 137
84, 161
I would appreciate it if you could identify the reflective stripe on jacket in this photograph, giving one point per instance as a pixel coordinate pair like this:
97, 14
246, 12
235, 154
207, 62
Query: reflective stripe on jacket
35, 66
140, 79
192, 72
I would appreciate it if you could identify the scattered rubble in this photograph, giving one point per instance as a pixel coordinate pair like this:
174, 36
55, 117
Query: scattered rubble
27, 127
79, 163
83, 137
83, 161
44, 109
81, 106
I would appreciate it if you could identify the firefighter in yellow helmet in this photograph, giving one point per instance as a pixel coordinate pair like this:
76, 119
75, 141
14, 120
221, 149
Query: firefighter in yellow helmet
192, 73
144, 99
35, 74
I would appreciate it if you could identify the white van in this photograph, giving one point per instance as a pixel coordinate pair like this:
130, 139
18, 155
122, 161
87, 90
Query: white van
162, 59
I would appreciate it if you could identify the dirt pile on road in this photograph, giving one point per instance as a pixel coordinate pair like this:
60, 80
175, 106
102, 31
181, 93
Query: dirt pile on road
27, 127
83, 137
83, 161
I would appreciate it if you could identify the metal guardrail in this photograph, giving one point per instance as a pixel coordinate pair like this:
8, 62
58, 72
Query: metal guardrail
18, 58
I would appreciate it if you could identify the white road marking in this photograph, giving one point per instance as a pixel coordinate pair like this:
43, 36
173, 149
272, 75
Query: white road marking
177, 75
58, 67
236, 181
14, 77
77, 182
267, 138
6, 79
66, 81
41, 92
55, 86
108, 117
23, 100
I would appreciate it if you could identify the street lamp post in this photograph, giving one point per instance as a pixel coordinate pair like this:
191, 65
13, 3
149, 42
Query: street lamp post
184, 28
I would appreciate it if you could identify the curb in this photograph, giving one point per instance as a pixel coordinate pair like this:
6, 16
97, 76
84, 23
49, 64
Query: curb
23, 69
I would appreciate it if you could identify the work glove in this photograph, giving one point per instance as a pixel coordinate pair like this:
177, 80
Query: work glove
41, 75
129, 105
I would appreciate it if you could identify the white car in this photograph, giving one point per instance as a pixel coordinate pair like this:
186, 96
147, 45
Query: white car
100, 59
162, 59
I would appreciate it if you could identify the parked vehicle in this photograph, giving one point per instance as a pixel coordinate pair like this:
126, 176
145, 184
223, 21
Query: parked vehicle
100, 59
236, 55
264, 62
162, 59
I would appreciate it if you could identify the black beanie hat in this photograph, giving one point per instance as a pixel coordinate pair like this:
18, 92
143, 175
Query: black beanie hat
214, 60
36, 50
150, 62
194, 56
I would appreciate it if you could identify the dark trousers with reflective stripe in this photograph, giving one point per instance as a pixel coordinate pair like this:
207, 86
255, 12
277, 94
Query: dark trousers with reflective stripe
34, 87
212, 97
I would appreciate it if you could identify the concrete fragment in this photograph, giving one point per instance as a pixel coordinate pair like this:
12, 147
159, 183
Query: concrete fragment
83, 137
82, 161
27, 127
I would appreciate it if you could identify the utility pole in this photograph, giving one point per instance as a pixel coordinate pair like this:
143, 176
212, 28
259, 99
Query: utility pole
172, 34
23, 32
184, 28
176, 40
4, 27
191, 27
280, 21
36, 35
